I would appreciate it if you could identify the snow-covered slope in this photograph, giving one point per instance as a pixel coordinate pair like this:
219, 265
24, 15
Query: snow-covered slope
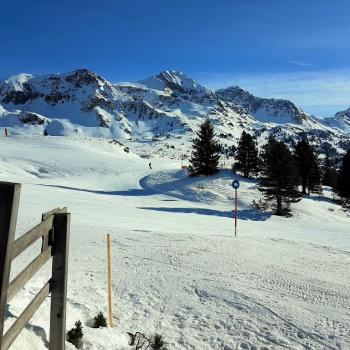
169, 104
177, 268
341, 120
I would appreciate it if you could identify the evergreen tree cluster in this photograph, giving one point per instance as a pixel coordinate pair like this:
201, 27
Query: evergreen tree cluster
308, 165
343, 182
279, 178
247, 156
330, 174
282, 173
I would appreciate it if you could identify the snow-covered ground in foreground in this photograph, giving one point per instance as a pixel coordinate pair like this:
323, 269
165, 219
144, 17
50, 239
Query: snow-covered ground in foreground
177, 268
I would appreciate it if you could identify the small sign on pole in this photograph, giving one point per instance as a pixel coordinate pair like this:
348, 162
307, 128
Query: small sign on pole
109, 281
235, 185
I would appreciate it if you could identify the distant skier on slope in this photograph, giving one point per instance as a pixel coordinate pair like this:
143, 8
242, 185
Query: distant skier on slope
150, 165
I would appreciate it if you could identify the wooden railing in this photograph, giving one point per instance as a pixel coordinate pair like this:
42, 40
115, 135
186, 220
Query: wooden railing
54, 232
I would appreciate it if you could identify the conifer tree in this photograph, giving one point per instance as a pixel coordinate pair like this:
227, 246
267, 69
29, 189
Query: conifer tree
279, 179
205, 156
343, 185
75, 335
246, 155
308, 166
330, 174
100, 320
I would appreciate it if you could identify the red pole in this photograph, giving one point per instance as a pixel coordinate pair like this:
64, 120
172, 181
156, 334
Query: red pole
235, 212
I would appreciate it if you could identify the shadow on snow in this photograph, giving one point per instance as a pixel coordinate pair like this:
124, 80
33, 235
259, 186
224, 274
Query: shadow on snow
131, 192
244, 214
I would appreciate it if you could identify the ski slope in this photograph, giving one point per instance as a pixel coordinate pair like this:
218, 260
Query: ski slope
177, 268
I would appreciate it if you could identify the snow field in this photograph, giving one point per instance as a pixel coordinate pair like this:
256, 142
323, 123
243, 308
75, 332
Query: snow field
177, 269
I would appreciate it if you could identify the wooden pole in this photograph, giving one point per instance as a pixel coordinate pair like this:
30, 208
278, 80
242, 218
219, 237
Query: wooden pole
58, 284
109, 281
9, 201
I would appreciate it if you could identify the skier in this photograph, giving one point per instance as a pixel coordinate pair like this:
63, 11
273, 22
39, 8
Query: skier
150, 165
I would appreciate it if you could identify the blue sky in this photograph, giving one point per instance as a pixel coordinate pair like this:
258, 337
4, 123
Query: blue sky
296, 49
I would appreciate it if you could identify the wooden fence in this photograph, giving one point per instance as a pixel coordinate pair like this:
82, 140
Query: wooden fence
54, 232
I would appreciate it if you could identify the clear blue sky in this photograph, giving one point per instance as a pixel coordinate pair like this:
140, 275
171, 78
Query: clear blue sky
297, 49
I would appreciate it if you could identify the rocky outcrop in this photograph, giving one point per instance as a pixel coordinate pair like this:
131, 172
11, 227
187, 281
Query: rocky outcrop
274, 110
32, 118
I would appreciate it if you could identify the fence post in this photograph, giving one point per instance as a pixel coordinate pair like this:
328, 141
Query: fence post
9, 200
61, 225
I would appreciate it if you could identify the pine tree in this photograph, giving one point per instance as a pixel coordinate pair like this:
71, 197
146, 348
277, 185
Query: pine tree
75, 335
308, 166
205, 156
330, 174
343, 184
279, 175
246, 155
100, 320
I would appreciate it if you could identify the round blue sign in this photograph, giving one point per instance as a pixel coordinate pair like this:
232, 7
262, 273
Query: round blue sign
235, 184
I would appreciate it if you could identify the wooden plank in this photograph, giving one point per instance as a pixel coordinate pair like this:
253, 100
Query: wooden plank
48, 239
23, 242
9, 201
23, 277
61, 227
25, 316
52, 212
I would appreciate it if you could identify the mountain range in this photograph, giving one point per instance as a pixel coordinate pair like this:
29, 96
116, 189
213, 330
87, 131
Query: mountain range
166, 105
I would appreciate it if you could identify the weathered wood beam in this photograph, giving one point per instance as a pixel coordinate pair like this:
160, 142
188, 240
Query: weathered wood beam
23, 242
25, 275
61, 227
25, 316
9, 201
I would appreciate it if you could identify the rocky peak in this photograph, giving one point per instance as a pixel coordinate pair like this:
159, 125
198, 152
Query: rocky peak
176, 82
81, 77
264, 109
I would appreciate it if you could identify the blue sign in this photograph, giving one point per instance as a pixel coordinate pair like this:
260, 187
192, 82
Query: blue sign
235, 184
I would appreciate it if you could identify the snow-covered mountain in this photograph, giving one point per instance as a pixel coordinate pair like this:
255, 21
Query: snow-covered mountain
341, 120
266, 110
169, 104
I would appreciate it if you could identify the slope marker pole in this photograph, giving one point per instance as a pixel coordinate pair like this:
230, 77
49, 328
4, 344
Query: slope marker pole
235, 212
235, 185
109, 281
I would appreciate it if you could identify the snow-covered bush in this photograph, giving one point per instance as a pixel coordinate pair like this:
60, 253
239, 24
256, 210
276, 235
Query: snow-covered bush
260, 205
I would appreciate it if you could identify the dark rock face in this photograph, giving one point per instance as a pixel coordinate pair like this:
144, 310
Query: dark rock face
32, 118
82, 77
56, 97
21, 97
98, 101
273, 108
102, 121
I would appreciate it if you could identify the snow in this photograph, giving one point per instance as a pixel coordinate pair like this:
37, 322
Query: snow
177, 268
16, 81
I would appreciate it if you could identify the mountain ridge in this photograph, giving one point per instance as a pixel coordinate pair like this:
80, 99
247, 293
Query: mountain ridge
166, 104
